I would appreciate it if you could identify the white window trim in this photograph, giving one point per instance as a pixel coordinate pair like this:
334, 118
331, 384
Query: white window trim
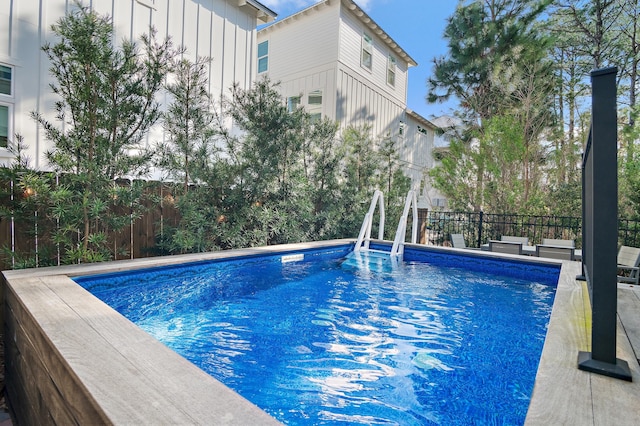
12, 84
10, 132
392, 67
363, 48
300, 97
263, 56
315, 109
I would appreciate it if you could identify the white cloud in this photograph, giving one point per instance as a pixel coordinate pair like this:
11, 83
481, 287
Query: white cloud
364, 4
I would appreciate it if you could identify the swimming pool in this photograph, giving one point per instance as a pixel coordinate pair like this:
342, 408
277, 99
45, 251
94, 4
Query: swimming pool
408, 346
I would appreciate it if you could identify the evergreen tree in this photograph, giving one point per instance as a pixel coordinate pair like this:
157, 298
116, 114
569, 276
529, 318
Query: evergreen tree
189, 124
496, 67
106, 106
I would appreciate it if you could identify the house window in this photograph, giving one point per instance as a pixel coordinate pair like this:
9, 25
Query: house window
5, 80
263, 56
314, 105
4, 126
439, 202
293, 103
422, 130
401, 129
367, 51
391, 71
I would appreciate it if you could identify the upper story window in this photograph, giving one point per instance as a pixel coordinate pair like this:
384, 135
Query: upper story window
263, 56
5, 80
293, 102
422, 130
401, 129
4, 126
6, 89
314, 105
391, 71
367, 51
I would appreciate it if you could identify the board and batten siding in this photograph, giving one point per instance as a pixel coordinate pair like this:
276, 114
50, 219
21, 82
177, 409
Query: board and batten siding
302, 85
416, 157
351, 32
218, 29
359, 104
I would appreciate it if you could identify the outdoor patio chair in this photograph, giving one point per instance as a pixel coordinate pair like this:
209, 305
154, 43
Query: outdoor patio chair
457, 241
555, 251
509, 238
510, 247
558, 243
628, 265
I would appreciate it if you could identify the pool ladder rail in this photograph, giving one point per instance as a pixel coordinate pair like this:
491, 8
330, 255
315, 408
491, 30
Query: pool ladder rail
397, 249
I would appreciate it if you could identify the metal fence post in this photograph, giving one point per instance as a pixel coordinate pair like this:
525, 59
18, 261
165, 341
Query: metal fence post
480, 229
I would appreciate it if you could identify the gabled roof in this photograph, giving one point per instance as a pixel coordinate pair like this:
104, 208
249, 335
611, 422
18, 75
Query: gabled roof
421, 119
358, 13
263, 13
371, 24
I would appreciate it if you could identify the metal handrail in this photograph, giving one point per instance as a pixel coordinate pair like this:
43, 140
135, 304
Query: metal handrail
398, 243
364, 237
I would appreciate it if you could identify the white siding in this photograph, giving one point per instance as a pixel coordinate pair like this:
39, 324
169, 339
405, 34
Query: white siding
320, 48
351, 32
304, 42
416, 155
359, 103
214, 28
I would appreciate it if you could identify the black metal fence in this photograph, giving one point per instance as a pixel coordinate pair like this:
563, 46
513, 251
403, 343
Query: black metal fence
479, 227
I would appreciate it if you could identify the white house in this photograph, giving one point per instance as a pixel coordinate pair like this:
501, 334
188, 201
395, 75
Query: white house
334, 60
224, 30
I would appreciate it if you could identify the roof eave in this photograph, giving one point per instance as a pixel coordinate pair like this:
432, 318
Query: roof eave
377, 29
421, 119
263, 13
295, 16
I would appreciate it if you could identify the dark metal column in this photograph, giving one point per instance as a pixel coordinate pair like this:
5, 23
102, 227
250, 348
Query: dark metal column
601, 228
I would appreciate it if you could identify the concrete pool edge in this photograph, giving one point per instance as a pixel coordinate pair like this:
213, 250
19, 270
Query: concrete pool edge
70, 358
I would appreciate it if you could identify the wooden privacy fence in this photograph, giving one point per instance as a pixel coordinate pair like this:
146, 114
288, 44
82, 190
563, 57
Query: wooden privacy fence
25, 235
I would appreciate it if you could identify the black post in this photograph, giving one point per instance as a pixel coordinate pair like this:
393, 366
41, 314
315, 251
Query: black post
601, 222
480, 230
585, 248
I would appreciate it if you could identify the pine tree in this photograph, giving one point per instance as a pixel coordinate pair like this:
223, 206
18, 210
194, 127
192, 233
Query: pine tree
106, 107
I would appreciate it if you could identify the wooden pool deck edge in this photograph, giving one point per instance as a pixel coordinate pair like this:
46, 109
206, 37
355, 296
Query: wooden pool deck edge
565, 395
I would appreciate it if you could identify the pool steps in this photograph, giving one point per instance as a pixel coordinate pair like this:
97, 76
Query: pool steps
370, 260
397, 250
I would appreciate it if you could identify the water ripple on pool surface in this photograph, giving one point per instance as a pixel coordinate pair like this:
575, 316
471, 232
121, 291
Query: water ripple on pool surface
312, 343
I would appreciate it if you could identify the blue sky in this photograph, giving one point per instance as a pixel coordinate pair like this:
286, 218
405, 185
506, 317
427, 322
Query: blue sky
416, 25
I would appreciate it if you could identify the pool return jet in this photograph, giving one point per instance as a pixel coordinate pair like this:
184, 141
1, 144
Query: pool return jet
365, 257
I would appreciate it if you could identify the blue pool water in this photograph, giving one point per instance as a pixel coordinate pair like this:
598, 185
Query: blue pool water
435, 341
